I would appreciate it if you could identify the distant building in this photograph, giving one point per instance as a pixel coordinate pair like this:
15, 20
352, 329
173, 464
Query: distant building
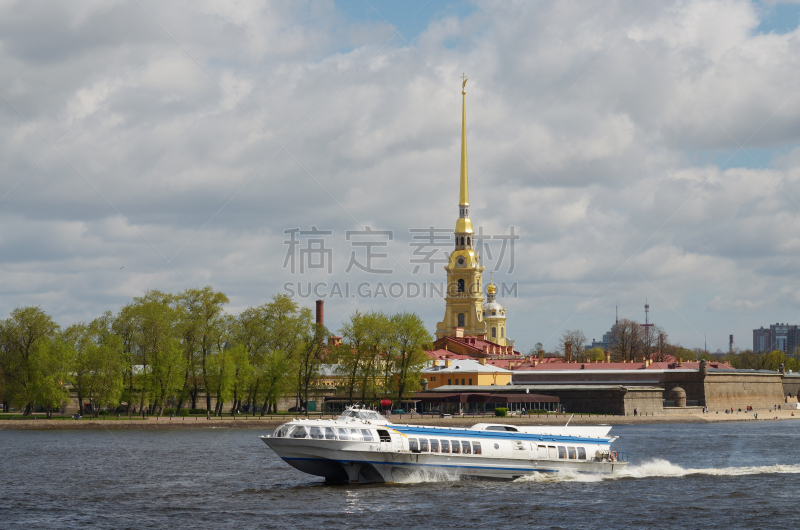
784, 337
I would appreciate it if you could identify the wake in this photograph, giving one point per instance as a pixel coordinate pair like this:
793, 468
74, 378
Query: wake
662, 468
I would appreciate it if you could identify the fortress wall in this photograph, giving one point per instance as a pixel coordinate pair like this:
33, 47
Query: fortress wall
740, 389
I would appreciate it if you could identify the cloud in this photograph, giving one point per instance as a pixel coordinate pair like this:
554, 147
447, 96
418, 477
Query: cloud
600, 132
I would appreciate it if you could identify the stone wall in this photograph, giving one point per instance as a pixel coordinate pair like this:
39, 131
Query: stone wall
742, 389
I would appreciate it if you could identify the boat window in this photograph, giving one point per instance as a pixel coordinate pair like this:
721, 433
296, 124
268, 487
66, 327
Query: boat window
413, 446
572, 454
581, 453
445, 446
423, 445
562, 451
542, 451
281, 431
330, 434
344, 434
456, 447
476, 448
465, 448
299, 432
367, 435
434, 446
384, 436
552, 450
355, 435
317, 433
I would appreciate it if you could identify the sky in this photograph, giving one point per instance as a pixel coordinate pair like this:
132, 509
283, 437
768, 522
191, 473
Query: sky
619, 152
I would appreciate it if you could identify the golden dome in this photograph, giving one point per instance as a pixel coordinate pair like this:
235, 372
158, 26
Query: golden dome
491, 288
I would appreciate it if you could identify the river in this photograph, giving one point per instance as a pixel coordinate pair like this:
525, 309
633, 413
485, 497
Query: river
717, 475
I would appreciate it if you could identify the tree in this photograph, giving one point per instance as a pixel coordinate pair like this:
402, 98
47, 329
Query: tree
201, 322
406, 354
626, 340
32, 361
577, 339
97, 362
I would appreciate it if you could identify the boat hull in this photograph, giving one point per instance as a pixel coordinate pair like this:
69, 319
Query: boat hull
365, 462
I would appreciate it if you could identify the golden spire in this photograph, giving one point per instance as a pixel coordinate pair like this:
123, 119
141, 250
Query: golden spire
464, 196
464, 225
491, 288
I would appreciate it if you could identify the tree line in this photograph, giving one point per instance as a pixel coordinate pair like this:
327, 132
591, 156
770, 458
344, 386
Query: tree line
184, 350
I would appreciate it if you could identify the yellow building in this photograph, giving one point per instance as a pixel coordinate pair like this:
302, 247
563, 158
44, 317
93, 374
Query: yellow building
495, 317
464, 306
465, 372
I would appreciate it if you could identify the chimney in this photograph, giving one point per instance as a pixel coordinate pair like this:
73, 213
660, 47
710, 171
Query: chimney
541, 355
320, 313
482, 360
447, 363
608, 356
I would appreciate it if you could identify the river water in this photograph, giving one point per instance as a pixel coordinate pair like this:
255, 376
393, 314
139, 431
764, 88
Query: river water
722, 475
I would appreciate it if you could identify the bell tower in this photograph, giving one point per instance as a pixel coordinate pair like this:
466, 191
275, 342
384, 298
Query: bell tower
464, 296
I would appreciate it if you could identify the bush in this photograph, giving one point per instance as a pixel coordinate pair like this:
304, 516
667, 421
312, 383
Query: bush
501, 412
183, 412
169, 411
104, 413
197, 411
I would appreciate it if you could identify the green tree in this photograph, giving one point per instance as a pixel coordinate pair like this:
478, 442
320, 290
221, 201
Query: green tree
33, 362
202, 320
97, 363
406, 352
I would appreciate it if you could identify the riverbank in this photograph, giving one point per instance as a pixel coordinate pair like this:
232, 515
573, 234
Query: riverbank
251, 422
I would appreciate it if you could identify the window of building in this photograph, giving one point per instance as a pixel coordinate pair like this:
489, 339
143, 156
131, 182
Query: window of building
467, 241
494, 332
470, 380
448, 382
461, 320
461, 285
502, 332
462, 382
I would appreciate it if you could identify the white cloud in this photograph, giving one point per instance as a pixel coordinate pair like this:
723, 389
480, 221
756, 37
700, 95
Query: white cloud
602, 146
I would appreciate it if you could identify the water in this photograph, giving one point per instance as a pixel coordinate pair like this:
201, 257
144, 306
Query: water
733, 474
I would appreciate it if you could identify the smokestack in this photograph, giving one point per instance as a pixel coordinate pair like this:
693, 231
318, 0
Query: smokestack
320, 312
730, 344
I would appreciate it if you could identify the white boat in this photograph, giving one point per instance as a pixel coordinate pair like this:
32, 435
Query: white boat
361, 446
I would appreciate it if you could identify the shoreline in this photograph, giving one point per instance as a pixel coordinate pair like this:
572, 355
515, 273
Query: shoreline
249, 422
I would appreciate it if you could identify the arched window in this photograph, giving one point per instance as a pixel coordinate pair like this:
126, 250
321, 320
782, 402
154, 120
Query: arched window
461, 285
494, 332
461, 320
502, 332
462, 240
467, 241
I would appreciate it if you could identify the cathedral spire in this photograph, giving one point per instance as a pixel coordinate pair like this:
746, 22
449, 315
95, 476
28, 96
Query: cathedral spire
464, 195
464, 225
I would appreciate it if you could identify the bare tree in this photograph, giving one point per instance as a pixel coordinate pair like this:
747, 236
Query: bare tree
626, 340
654, 342
577, 339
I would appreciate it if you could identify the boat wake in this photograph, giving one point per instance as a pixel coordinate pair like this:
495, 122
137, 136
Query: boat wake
662, 468
426, 475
